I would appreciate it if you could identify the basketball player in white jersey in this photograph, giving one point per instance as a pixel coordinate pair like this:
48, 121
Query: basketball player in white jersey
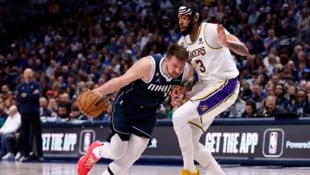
217, 87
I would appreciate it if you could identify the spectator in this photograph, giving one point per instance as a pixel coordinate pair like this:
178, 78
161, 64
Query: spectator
64, 111
44, 111
257, 62
307, 87
107, 116
271, 62
291, 92
262, 77
235, 110
245, 90
292, 71
64, 98
288, 28
88, 50
50, 94
280, 94
3, 114
306, 74
10, 126
6, 92
304, 20
250, 110
256, 44
257, 96
303, 28
302, 104
271, 41
7, 103
270, 109
75, 114
284, 58
275, 79
28, 94
297, 48
269, 90
13, 144
304, 38
52, 105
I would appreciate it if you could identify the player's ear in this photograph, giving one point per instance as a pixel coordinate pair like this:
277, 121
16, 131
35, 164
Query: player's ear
196, 17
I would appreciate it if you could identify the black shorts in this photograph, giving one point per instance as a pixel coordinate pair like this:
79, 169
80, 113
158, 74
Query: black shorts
133, 119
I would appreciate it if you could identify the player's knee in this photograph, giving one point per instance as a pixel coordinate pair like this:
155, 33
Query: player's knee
177, 118
118, 153
118, 147
175, 122
135, 156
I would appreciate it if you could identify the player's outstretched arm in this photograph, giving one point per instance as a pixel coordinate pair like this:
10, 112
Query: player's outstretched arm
231, 41
140, 70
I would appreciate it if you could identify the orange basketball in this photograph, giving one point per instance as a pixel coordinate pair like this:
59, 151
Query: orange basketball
91, 104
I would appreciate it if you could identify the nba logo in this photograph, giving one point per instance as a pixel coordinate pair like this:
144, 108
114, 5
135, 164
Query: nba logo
273, 142
86, 141
86, 138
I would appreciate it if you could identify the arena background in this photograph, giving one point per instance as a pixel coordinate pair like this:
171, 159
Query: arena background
239, 141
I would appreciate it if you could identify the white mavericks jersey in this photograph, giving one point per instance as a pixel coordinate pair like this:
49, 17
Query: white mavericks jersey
210, 59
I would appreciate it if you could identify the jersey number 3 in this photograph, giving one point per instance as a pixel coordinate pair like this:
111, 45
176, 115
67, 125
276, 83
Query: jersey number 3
200, 65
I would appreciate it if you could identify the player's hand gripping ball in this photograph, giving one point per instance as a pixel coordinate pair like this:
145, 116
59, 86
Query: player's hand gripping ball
91, 103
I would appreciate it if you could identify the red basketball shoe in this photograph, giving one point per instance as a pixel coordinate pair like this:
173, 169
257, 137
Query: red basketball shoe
87, 161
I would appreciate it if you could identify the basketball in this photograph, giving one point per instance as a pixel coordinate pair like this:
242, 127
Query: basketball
91, 103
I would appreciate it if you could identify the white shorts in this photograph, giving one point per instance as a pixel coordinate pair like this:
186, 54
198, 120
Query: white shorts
208, 100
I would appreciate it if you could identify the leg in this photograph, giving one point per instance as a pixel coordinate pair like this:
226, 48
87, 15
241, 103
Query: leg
25, 131
37, 134
113, 150
136, 146
9, 143
4, 138
183, 130
203, 156
200, 111
18, 146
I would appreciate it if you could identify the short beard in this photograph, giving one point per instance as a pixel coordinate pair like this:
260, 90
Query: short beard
170, 75
188, 29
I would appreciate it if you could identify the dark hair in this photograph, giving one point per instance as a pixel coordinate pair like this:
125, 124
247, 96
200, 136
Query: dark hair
282, 86
252, 104
180, 52
304, 91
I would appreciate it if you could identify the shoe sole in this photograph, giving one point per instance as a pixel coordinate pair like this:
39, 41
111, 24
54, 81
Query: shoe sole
88, 152
77, 169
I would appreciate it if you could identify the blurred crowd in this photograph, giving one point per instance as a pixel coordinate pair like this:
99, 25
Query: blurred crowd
75, 45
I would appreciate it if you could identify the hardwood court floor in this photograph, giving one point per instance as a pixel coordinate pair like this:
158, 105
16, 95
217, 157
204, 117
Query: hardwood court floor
16, 168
